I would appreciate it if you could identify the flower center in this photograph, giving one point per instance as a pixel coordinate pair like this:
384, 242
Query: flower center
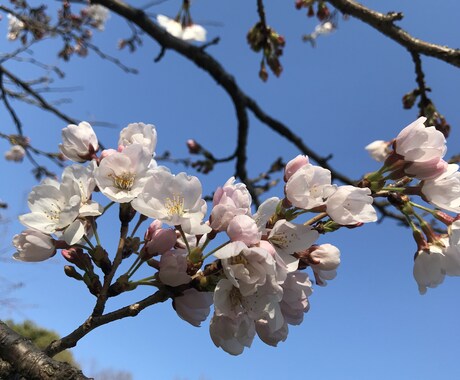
123, 181
235, 297
175, 205
280, 240
239, 259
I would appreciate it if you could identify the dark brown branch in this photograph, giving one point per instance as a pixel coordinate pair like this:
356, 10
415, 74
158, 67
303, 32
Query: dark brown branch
420, 79
20, 357
42, 101
384, 23
92, 322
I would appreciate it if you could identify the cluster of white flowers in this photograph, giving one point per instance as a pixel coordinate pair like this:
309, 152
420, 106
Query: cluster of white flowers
417, 154
257, 286
15, 27
98, 15
186, 32
16, 153
258, 281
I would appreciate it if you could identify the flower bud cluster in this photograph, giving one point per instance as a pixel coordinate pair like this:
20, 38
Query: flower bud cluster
417, 155
256, 276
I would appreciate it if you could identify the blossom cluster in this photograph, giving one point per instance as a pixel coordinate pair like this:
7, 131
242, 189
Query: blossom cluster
255, 276
417, 155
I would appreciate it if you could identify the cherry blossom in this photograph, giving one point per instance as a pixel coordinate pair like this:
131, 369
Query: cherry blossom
176, 29
84, 178
173, 268
417, 143
15, 26
174, 200
193, 306
232, 334
228, 201
139, 133
428, 268
351, 205
243, 228
288, 238
296, 290
52, 208
33, 246
309, 187
294, 165
444, 191
16, 153
121, 176
79, 142
379, 150
98, 14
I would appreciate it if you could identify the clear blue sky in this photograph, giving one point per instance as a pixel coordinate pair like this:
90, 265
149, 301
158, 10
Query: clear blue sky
368, 323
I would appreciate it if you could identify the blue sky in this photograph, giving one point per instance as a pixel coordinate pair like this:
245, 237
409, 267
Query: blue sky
368, 323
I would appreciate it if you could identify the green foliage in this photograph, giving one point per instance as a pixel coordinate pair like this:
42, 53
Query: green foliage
41, 337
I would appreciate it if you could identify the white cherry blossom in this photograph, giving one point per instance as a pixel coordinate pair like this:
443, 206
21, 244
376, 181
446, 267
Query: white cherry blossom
52, 208
232, 334
16, 153
379, 150
193, 306
79, 142
417, 143
98, 14
139, 133
176, 29
173, 268
84, 178
444, 191
121, 176
15, 26
288, 238
351, 205
243, 228
296, 290
309, 187
429, 268
265, 211
33, 246
228, 201
174, 200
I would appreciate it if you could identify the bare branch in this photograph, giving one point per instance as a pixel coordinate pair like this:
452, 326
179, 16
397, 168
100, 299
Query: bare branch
384, 23
19, 356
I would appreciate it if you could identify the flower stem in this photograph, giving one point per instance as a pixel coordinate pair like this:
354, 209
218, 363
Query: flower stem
315, 219
214, 250
88, 241
422, 207
96, 235
107, 207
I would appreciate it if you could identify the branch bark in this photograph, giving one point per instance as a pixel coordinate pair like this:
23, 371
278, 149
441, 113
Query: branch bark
384, 23
20, 357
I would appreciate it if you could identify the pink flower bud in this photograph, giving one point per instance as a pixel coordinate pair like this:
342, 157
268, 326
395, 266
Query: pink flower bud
193, 147
79, 142
428, 169
163, 239
243, 228
155, 225
294, 165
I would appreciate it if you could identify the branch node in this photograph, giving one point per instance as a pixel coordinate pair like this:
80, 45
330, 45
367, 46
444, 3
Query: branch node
394, 16
160, 55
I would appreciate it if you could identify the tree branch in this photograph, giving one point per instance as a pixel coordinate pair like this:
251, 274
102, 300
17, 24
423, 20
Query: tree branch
92, 322
384, 23
19, 356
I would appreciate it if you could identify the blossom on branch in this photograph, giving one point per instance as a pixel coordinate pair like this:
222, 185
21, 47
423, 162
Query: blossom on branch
33, 246
184, 32
16, 153
79, 142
